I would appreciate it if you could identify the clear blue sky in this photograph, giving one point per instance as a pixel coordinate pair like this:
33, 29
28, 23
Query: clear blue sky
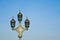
44, 16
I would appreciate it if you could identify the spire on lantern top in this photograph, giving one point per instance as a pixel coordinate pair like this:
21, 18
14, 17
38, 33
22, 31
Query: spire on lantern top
26, 17
19, 10
12, 17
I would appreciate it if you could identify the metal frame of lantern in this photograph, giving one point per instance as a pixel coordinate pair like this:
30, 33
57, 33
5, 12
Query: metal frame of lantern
20, 29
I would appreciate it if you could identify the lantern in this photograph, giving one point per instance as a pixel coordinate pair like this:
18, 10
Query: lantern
20, 16
12, 23
27, 22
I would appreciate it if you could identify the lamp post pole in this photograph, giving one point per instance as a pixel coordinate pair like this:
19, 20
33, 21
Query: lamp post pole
19, 29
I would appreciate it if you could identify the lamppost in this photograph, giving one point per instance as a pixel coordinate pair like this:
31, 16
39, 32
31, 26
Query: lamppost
19, 29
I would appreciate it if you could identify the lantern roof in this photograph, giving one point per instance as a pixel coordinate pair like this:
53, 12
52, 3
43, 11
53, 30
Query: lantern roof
12, 19
19, 13
27, 20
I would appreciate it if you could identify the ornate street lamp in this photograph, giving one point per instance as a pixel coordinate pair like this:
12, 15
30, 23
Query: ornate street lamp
20, 29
